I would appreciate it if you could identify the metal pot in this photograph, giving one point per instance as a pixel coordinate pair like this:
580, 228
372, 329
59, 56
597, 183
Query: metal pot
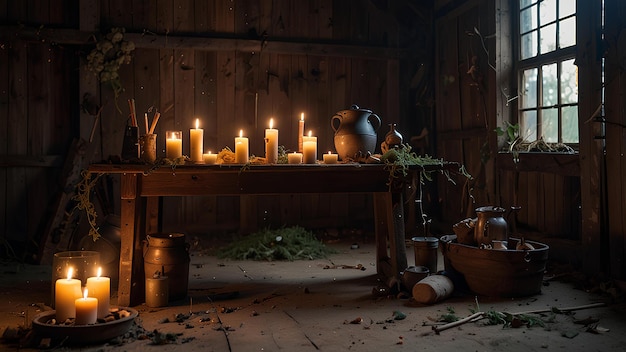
491, 224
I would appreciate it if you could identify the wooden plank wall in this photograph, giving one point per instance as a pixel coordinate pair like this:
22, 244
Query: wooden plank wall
227, 90
37, 124
465, 105
615, 137
466, 118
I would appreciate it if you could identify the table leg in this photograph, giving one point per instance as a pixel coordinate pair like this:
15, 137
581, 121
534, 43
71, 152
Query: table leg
131, 278
389, 227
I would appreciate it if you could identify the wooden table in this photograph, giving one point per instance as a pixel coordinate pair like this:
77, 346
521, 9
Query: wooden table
142, 185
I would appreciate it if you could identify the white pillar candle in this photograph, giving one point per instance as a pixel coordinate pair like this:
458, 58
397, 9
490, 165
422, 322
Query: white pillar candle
100, 287
294, 158
196, 136
86, 310
271, 144
241, 149
66, 291
309, 149
173, 145
300, 132
209, 158
330, 158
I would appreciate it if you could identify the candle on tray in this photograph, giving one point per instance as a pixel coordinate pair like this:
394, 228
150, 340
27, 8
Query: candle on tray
209, 158
196, 136
309, 149
271, 144
330, 158
66, 291
294, 158
100, 287
173, 145
241, 149
300, 132
86, 310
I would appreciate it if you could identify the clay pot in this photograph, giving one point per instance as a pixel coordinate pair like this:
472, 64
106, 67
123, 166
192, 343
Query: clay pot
355, 132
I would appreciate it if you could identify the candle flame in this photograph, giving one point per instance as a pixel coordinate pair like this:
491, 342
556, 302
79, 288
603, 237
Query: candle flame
301, 116
100, 268
70, 271
310, 133
197, 123
271, 123
85, 294
329, 152
240, 133
173, 135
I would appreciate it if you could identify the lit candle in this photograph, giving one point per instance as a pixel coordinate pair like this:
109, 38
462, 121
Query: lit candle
241, 149
209, 158
100, 287
66, 291
173, 145
86, 310
271, 144
294, 158
330, 158
309, 149
300, 132
196, 136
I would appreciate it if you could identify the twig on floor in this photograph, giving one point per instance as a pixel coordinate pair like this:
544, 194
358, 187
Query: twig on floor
479, 315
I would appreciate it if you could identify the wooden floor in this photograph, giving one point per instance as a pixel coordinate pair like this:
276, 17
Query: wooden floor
328, 305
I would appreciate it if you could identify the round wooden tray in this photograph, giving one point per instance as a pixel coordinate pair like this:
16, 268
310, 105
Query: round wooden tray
83, 334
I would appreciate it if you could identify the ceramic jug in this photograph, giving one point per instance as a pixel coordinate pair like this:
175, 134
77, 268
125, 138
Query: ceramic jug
355, 132
490, 225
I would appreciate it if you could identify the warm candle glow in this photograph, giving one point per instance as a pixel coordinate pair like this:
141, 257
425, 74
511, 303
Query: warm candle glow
310, 133
85, 295
173, 135
197, 123
240, 133
70, 271
301, 116
271, 123
100, 269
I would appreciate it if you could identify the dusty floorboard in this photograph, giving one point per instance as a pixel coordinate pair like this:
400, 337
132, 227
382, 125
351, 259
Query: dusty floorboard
274, 306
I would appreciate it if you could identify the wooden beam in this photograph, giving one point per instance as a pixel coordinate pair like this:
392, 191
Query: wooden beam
214, 42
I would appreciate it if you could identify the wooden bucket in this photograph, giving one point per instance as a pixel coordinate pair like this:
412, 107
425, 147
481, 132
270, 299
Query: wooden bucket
497, 273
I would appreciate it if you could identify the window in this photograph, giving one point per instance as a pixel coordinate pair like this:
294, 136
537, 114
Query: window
547, 75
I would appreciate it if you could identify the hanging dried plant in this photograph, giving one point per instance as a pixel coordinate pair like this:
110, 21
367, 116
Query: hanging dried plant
108, 56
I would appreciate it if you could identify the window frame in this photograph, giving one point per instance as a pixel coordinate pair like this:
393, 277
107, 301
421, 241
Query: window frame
557, 56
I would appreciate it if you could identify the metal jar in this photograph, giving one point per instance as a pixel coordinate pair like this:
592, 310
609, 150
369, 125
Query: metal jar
168, 254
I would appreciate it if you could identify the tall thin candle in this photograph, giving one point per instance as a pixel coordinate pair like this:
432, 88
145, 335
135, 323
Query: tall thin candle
300, 132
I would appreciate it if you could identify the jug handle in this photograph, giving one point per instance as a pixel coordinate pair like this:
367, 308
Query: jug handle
375, 121
337, 119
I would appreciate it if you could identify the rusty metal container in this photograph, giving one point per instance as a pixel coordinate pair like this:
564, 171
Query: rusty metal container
497, 273
168, 254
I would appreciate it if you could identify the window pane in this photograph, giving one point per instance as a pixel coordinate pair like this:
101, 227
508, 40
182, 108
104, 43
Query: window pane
566, 8
529, 45
550, 125
528, 125
549, 85
569, 82
528, 19
548, 39
567, 32
547, 12
529, 84
524, 3
570, 124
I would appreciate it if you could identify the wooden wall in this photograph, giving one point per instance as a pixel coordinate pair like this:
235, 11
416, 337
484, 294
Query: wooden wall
232, 64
